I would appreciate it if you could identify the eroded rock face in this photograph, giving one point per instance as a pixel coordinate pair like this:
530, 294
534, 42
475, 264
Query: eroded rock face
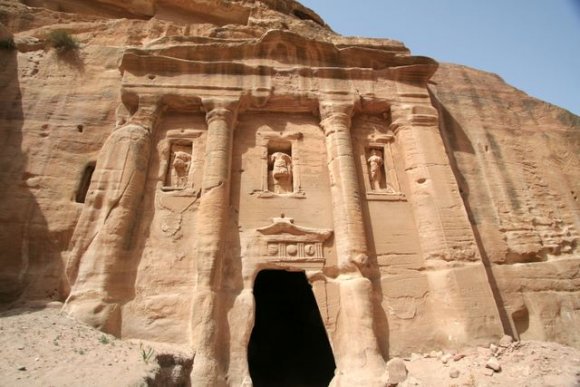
516, 161
151, 173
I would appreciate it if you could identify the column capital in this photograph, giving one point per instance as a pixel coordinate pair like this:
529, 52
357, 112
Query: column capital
405, 116
148, 111
335, 113
225, 109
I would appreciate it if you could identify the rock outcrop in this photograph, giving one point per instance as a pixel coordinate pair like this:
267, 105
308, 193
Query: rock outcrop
161, 163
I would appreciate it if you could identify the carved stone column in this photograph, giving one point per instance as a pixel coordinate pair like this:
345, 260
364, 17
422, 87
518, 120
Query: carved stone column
351, 243
411, 125
100, 269
354, 343
211, 351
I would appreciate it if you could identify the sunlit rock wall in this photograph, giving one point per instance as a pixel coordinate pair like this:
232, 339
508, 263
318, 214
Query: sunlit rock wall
151, 173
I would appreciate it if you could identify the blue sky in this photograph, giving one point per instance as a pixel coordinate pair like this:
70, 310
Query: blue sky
533, 45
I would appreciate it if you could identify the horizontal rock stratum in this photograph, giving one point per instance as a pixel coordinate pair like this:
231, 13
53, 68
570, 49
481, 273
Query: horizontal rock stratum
293, 205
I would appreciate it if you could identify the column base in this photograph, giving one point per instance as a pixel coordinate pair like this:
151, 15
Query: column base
362, 378
97, 313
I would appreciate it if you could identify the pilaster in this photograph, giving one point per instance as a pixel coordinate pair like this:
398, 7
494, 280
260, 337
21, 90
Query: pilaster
349, 230
210, 365
100, 269
355, 344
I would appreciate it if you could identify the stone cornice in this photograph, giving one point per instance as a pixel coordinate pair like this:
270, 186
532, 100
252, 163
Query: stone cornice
276, 50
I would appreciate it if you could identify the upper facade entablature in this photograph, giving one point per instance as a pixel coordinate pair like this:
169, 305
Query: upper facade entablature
275, 49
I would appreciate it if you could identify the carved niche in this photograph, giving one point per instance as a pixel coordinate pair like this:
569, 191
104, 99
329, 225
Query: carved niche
180, 161
280, 165
177, 162
284, 244
379, 173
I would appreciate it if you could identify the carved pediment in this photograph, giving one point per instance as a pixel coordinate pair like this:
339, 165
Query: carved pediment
281, 226
283, 241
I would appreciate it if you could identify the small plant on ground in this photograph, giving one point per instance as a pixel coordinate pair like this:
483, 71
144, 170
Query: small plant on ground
62, 41
55, 340
104, 339
7, 44
146, 354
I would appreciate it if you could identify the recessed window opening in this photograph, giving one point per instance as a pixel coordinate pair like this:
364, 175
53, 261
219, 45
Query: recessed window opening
84, 183
288, 345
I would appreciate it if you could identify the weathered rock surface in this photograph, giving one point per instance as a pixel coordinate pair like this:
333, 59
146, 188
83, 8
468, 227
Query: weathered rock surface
148, 176
516, 162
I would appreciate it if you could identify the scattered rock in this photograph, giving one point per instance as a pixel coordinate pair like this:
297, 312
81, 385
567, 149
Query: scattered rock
493, 364
458, 356
488, 372
493, 348
397, 371
416, 356
446, 358
506, 341
411, 382
454, 373
22, 368
435, 354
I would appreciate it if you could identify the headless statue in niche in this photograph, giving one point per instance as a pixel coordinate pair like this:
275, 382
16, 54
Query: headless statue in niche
376, 172
375, 162
281, 172
180, 169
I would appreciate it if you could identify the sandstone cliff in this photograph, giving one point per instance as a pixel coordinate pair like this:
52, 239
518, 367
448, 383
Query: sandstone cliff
428, 205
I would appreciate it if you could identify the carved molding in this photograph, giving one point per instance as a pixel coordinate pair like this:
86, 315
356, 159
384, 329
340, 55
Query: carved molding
285, 225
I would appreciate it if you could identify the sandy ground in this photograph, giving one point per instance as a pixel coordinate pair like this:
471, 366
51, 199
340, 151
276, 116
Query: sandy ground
526, 364
40, 346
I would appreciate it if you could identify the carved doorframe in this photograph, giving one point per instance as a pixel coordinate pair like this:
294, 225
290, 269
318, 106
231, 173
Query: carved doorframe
269, 247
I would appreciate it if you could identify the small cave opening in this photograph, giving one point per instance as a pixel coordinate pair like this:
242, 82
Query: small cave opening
84, 183
288, 345
521, 319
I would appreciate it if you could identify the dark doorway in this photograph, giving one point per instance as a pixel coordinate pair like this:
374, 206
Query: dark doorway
288, 346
